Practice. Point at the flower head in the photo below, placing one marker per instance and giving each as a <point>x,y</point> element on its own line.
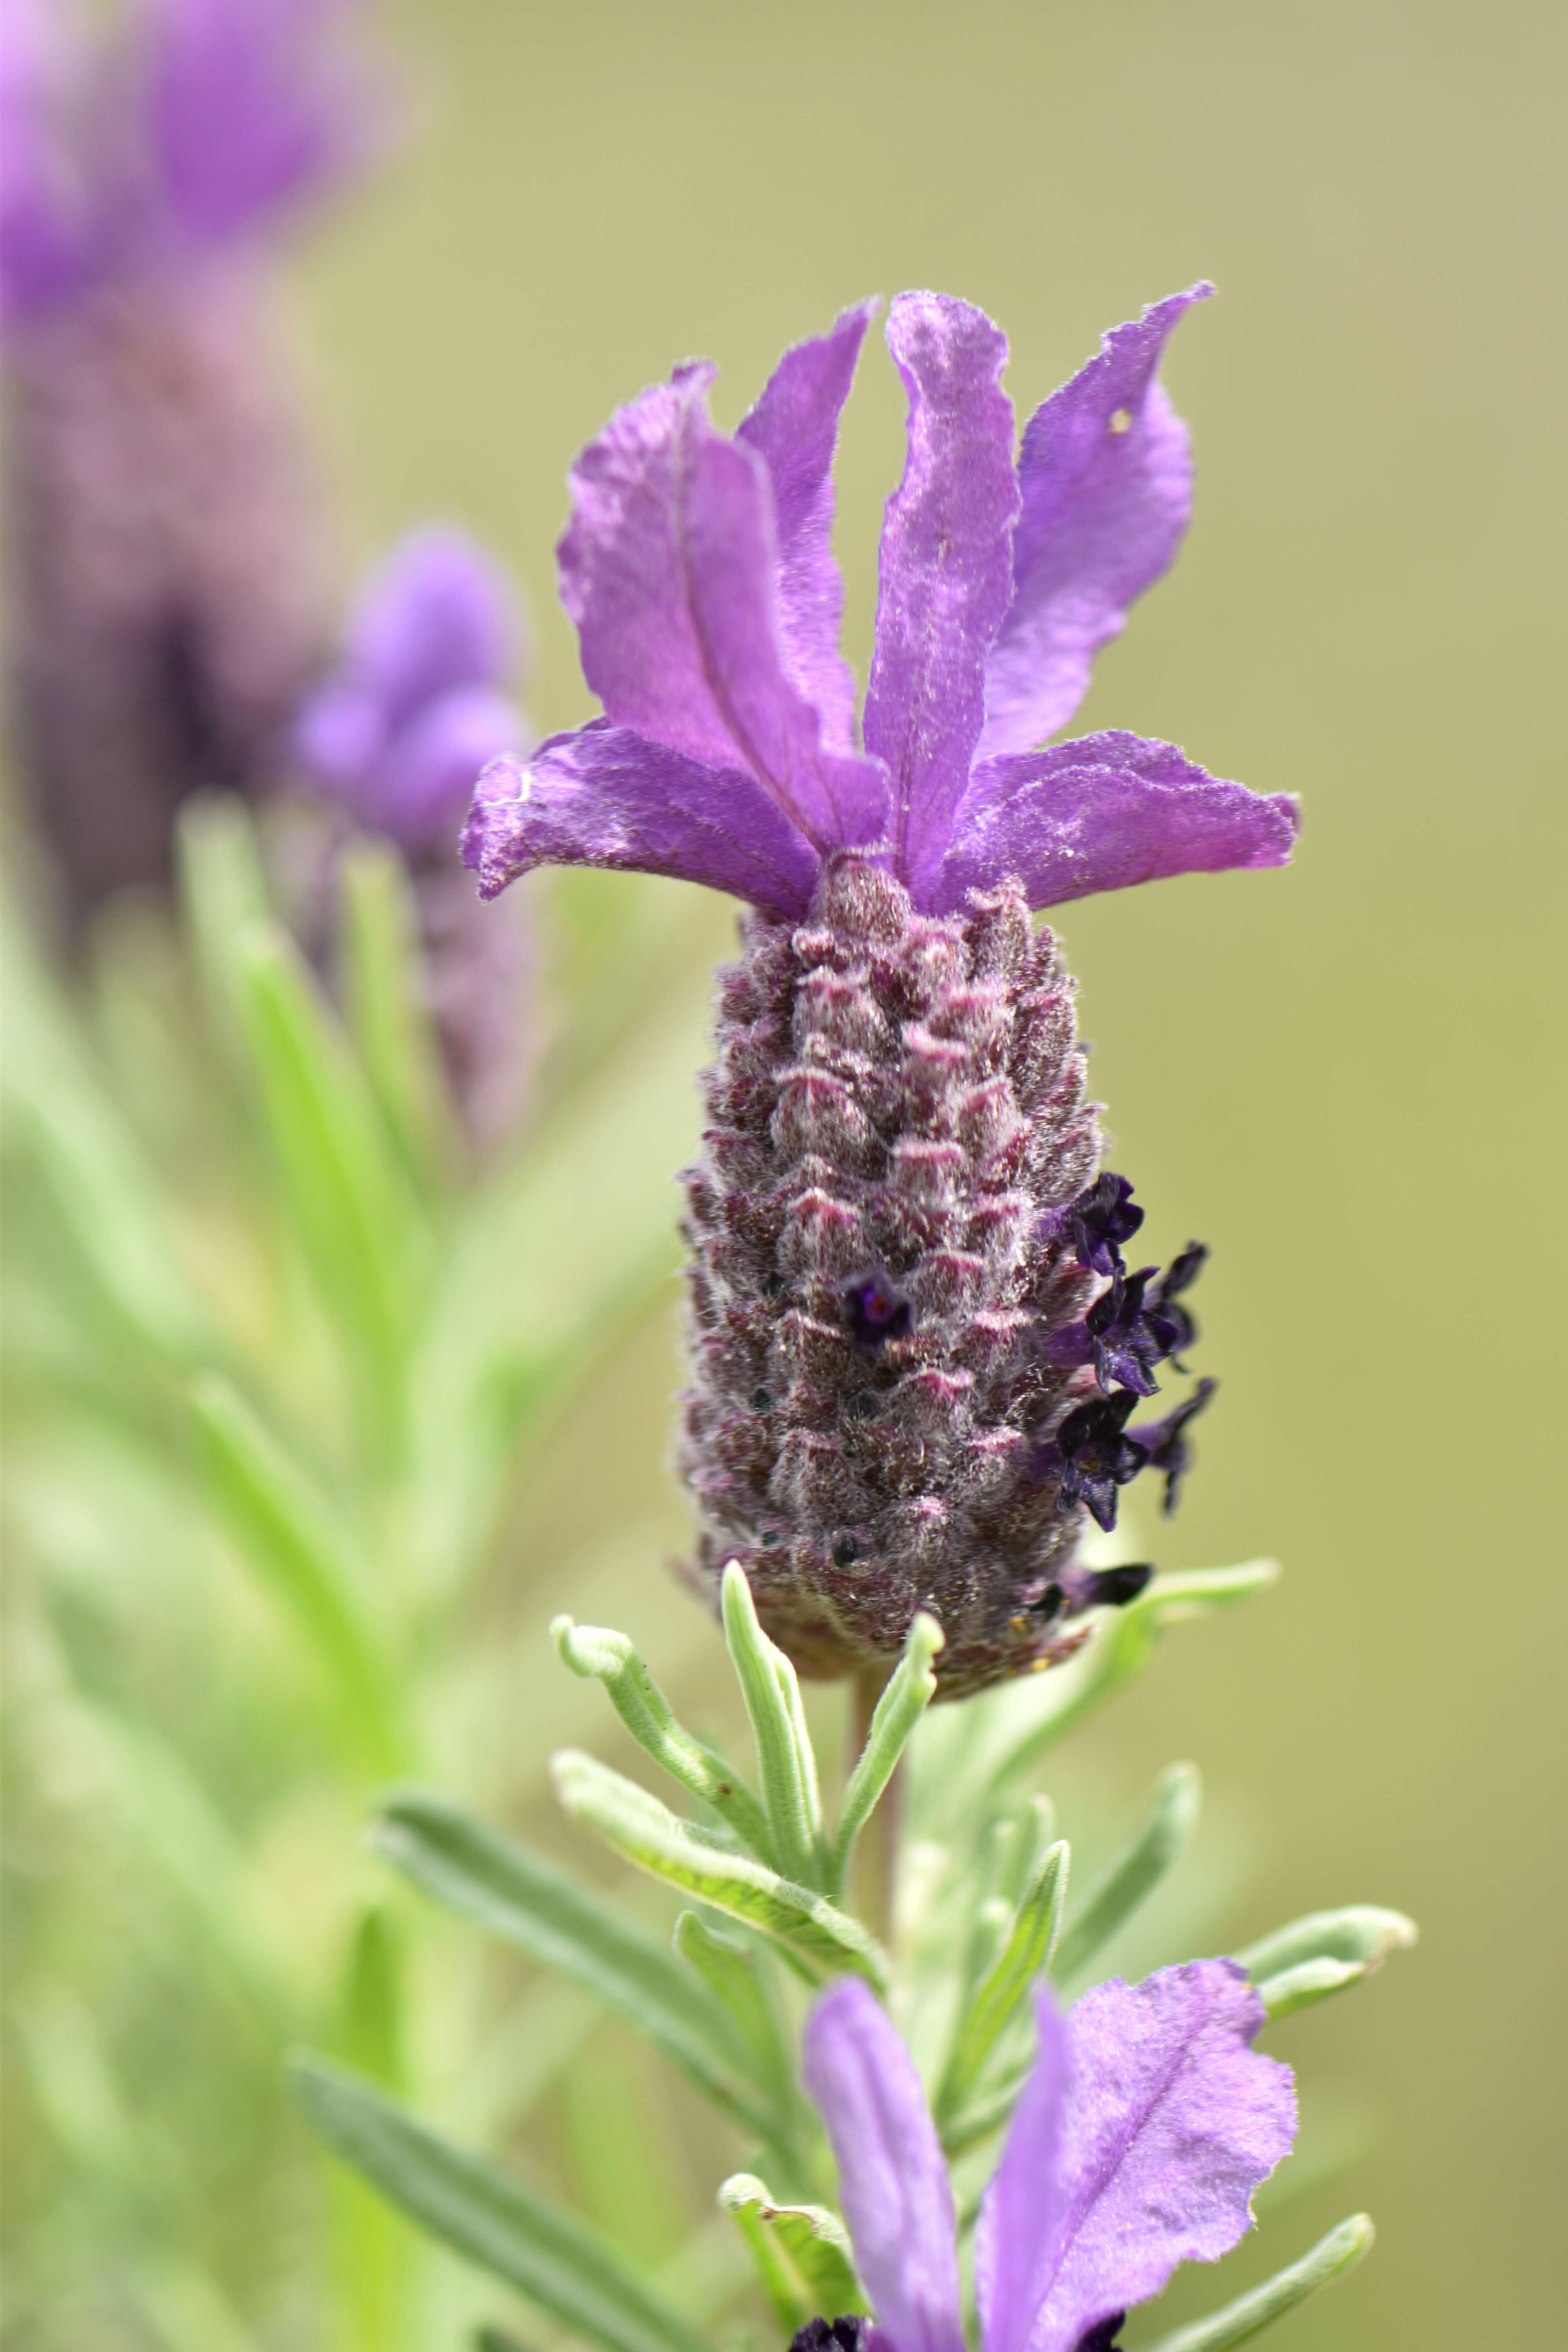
<point>915,1343</point>
<point>418,704</point>
<point>1137,2143</point>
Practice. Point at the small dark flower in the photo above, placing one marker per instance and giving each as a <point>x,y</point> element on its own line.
<point>1123,1341</point>
<point>1097,1455</point>
<point>1164,1442</point>
<point>1107,1588</point>
<point>1172,1325</point>
<point>877,1312</point>
<point>1098,1222</point>
<point>844,2335</point>
<point>1105,2336</point>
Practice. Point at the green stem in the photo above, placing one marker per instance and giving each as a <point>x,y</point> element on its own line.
<point>873,1871</point>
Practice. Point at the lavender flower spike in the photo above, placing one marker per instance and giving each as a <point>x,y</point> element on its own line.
<point>900,1229</point>
<point>1137,2143</point>
<point>394,739</point>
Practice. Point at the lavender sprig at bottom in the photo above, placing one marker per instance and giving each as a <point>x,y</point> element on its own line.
<point>916,1345</point>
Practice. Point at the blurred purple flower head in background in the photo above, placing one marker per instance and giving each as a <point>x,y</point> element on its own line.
<point>1137,2143</point>
<point>909,1386</point>
<point>392,740</point>
<point>417,705</point>
<point>168,578</point>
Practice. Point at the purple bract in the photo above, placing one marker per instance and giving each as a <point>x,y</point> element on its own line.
<point>1137,2143</point>
<point>699,570</point>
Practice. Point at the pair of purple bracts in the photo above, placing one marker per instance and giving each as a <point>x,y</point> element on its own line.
<point>915,1346</point>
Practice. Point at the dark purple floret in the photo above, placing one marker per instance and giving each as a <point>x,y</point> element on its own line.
<point>844,2335</point>
<point>1108,1587</point>
<point>1097,1455</point>
<point>1123,1341</point>
<point>1103,2338</point>
<point>1164,1444</point>
<point>1172,1325</point>
<point>1098,1222</point>
<point>875,1311</point>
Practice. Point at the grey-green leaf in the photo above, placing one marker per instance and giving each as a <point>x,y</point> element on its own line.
<point>732,1972</point>
<point>814,1936</point>
<point>1028,1950</point>
<point>1249,2315</point>
<point>1323,1952</point>
<point>526,1900</point>
<point>1133,1874</point>
<point>595,1653</point>
<point>910,1688</point>
<point>491,2217</point>
<point>786,1763</point>
<point>803,2253</point>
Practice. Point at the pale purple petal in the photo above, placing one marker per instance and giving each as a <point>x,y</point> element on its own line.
<point>945,568</point>
<point>46,231</point>
<point>1171,2123</point>
<point>1101,814</point>
<point>436,614</point>
<point>1106,482</point>
<point>669,570</point>
<point>249,108</point>
<point>794,428</point>
<point>606,797</point>
<point>893,2180</point>
<point>417,790</point>
<point>1015,2240</point>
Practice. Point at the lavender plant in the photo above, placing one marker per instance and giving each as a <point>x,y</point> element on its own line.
<point>916,1349</point>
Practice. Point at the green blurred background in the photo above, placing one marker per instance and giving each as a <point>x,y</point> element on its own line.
<point>1346,1077</point>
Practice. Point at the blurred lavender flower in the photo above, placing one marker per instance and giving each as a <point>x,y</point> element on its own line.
<point>167,582</point>
<point>395,737</point>
<point>897,1225</point>
<point>1137,2143</point>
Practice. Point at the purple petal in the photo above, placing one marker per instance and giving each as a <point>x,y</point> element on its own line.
<point>1016,2242</point>
<point>946,566</point>
<point>1172,2122</point>
<point>892,2181</point>
<point>669,570</point>
<point>47,230</point>
<point>794,428</point>
<point>436,615</point>
<point>246,109</point>
<point>1101,814</point>
<point>418,790</point>
<point>1106,482</point>
<point>606,797</point>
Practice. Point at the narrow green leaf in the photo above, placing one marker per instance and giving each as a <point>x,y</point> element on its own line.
<point>732,1972</point>
<point>285,1534</point>
<point>1133,1874</point>
<point>910,1688</point>
<point>371,2245</point>
<point>224,893</point>
<point>1122,1645</point>
<point>1323,1952</point>
<point>817,1939</point>
<point>491,2217</point>
<point>387,1017</point>
<point>350,1201</point>
<point>784,1759</point>
<point>802,2254</point>
<point>1249,2315</point>
<point>596,1654</point>
<point>1028,1950</point>
<point>518,1895</point>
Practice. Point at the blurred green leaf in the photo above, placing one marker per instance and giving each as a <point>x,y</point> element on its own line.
<point>786,1764</point>
<point>1321,1953</point>
<point>222,889</point>
<point>1249,2315</point>
<point>803,2253</point>
<point>388,1020</point>
<point>596,1654</point>
<point>287,1536</point>
<point>1133,1872</point>
<point>349,1200</point>
<point>733,1973</point>
<point>491,2217</point>
<point>818,1940</point>
<point>990,2009</point>
<point>910,1688</point>
<point>518,1895</point>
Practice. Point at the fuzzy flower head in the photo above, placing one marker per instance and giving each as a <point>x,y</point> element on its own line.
<point>916,1343</point>
<point>1137,2143</point>
<point>418,703</point>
